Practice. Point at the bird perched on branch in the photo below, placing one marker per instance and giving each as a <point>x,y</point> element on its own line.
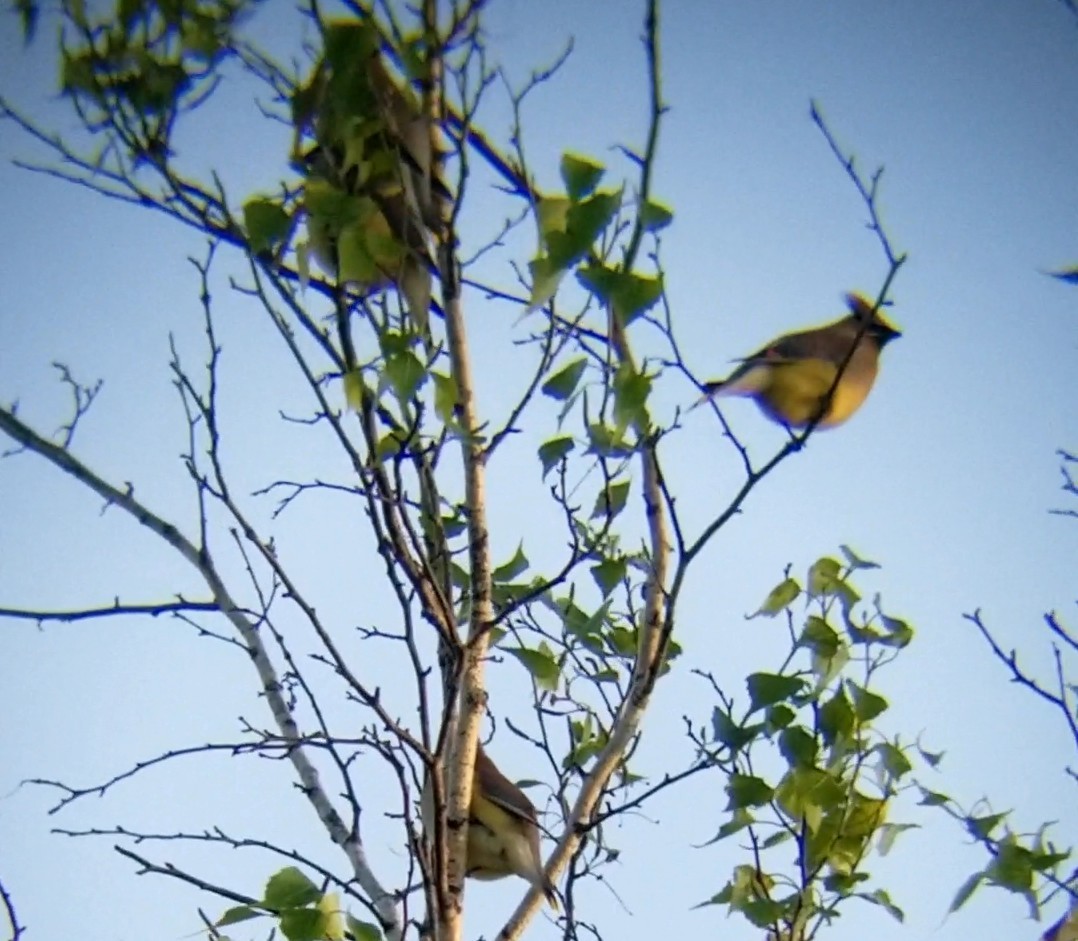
<point>503,830</point>
<point>374,196</point>
<point>793,378</point>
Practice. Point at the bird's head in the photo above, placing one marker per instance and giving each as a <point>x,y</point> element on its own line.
<point>862,310</point>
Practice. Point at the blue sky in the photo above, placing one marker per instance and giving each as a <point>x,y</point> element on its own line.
<point>945,477</point>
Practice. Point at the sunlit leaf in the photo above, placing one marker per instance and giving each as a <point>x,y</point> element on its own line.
<point>290,888</point>
<point>822,575</point>
<point>363,930</point>
<point>881,898</point>
<point>611,499</point>
<point>729,733</point>
<point>266,222</point>
<point>540,664</point>
<point>330,906</point>
<point>779,598</point>
<point>836,718</point>
<point>746,790</point>
<point>609,573</point>
<point>552,212</point>
<point>564,382</point>
<point>552,452</point>
<point>234,916</point>
<point>866,704</point>
<point>405,372</point>
<point>798,746</point>
<point>894,760</point>
<point>631,390</point>
<point>303,924</point>
<point>655,216</point>
<point>889,833</point>
<point>354,389</point>
<point>445,397</point>
<point>740,819</point>
<point>580,174</point>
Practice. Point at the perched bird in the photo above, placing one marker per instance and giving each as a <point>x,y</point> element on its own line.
<point>791,377</point>
<point>374,195</point>
<point>503,831</point>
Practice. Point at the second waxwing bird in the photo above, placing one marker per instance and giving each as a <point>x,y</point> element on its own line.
<point>503,829</point>
<point>791,377</point>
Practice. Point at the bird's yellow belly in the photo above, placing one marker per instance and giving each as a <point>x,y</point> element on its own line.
<point>797,391</point>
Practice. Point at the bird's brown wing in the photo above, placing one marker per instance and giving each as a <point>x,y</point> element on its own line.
<point>831,343</point>
<point>501,791</point>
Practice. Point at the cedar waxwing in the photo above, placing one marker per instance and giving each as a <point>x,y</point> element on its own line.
<point>374,192</point>
<point>791,376</point>
<point>503,832</point>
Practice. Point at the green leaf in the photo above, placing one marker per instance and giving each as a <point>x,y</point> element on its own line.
<point>611,499</point>
<point>899,633</point>
<point>631,390</point>
<point>932,759</point>
<point>740,819</point>
<point>289,888</point>
<point>854,561</point>
<point>982,827</point>
<point>1012,868</point>
<point>554,451</point>
<point>445,397</point>
<point>627,293</point>
<point>822,575</point>
<point>819,637</point>
<point>889,833</point>
<point>780,598</point>
<point>894,761</point>
<point>746,790</point>
<point>564,382</point>
<point>768,688</point>
<point>303,924</point>
<point>581,175</point>
<point>727,732</point>
<point>540,664</point>
<point>235,915</point>
<point>779,717</point>
<point>585,222</point>
<point>968,888</point>
<point>405,372</point>
<point>606,442</point>
<point>835,718</point>
<point>655,216</point>
<point>552,212</point>
<point>609,573</point>
<point>546,275</point>
<point>762,912</point>
<point>881,898</point>
<point>933,798</point>
<point>866,704</point>
<point>777,839</point>
<point>806,793</point>
<point>267,224</point>
<point>355,390</point>
<point>362,930</point>
<point>511,569</point>
<point>798,746</point>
